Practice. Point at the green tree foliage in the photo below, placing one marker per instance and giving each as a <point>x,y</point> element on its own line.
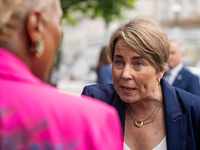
<point>109,10</point>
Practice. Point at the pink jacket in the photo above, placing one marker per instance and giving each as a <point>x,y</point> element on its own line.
<point>36,116</point>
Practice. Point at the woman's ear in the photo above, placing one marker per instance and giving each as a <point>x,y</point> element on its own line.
<point>160,74</point>
<point>34,26</point>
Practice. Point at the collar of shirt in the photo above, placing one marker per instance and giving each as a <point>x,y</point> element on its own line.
<point>174,72</point>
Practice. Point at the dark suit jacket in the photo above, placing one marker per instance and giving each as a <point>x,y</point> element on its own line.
<point>182,113</point>
<point>187,81</point>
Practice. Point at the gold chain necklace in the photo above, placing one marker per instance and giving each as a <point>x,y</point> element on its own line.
<point>140,122</point>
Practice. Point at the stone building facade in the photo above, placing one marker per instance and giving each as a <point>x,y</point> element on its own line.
<point>82,43</point>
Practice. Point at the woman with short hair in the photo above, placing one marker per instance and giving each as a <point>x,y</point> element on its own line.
<point>154,115</point>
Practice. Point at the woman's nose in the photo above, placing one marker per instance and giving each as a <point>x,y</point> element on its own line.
<point>127,72</point>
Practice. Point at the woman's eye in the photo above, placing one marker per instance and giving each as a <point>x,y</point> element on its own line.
<point>138,63</point>
<point>118,62</point>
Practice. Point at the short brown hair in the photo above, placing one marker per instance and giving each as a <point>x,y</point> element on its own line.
<point>146,37</point>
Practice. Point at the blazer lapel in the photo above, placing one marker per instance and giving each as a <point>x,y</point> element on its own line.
<point>175,120</point>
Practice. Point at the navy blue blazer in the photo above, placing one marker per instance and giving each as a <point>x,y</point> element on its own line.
<point>182,113</point>
<point>187,81</point>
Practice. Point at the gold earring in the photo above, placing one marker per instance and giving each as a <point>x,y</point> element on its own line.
<point>158,82</point>
<point>39,47</point>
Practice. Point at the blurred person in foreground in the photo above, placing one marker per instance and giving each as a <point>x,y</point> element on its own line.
<point>35,115</point>
<point>103,69</point>
<point>177,75</point>
<point>154,115</point>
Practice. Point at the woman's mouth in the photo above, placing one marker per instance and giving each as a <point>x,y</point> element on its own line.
<point>127,89</point>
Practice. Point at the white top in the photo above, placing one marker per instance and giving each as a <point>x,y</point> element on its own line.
<point>173,73</point>
<point>161,146</point>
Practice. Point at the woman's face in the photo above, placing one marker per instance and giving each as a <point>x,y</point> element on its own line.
<point>134,77</point>
<point>52,36</point>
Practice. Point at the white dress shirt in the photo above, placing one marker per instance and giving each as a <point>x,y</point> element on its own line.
<point>161,146</point>
<point>172,74</point>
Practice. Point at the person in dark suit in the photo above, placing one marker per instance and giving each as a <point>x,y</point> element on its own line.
<point>178,75</point>
<point>154,114</point>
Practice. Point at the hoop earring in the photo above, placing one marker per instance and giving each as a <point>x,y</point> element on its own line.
<point>158,82</point>
<point>39,47</point>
